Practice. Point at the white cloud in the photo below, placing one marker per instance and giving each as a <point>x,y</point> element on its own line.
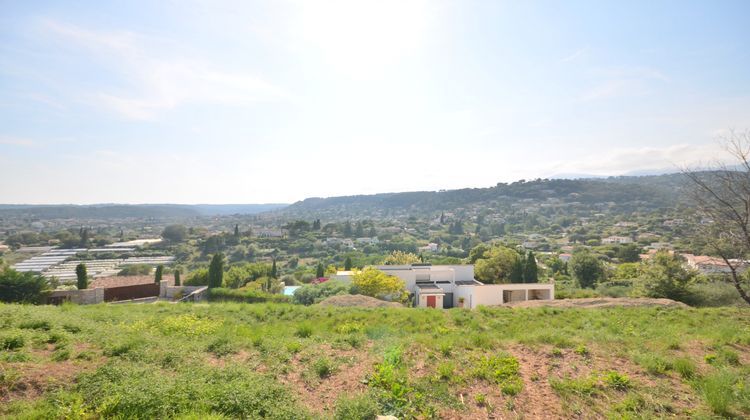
<point>157,80</point>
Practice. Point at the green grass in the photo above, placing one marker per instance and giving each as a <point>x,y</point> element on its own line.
<point>238,360</point>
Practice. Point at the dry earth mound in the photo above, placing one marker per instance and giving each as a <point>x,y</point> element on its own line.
<point>358,300</point>
<point>598,303</point>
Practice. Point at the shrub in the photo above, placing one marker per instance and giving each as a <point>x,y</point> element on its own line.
<point>221,347</point>
<point>314,293</point>
<point>502,370</point>
<point>25,287</point>
<point>36,324</point>
<point>244,295</point>
<point>360,407</point>
<point>445,371</point>
<point>12,342</point>
<point>323,367</point>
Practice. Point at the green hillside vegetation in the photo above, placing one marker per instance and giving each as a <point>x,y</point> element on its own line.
<point>232,360</point>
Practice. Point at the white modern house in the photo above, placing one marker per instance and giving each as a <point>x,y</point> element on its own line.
<point>454,286</point>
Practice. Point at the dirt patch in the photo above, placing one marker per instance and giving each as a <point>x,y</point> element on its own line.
<point>30,380</point>
<point>358,300</point>
<point>320,394</point>
<point>537,400</point>
<point>598,303</point>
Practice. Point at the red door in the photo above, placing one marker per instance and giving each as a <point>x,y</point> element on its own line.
<point>431,301</point>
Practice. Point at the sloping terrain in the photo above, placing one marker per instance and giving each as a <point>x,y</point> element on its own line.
<point>283,361</point>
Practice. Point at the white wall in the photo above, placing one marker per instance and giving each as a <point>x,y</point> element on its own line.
<point>492,294</point>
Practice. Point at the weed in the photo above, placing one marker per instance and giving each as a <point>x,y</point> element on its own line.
<point>582,350</point>
<point>323,367</point>
<point>717,390</point>
<point>12,342</point>
<point>480,399</point>
<point>685,367</point>
<point>360,407</point>
<point>61,354</point>
<point>585,386</point>
<point>293,347</point>
<point>616,380</point>
<point>710,358</point>
<point>303,331</point>
<point>445,371</point>
<point>221,347</point>
<point>36,325</point>
<point>556,352</point>
<point>502,370</point>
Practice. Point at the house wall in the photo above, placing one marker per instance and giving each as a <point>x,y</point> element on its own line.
<point>494,294</point>
<point>422,301</point>
<point>81,297</point>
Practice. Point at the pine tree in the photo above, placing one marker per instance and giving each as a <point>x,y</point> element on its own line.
<point>320,272</point>
<point>348,263</point>
<point>159,273</point>
<point>216,271</point>
<point>177,277</point>
<point>82,276</point>
<point>530,270</point>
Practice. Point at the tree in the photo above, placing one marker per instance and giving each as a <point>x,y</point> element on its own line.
<point>497,265</point>
<point>348,263</point>
<point>586,269</point>
<point>401,258</point>
<point>478,252</point>
<point>530,270</point>
<point>85,237</point>
<point>721,197</point>
<point>25,287</point>
<point>628,253</point>
<point>320,271</point>
<point>159,273</point>
<point>82,276</point>
<point>348,231</point>
<point>177,277</point>
<point>664,276</point>
<point>274,272</point>
<point>314,293</point>
<point>516,271</point>
<point>375,283</point>
<point>175,233</point>
<point>216,270</point>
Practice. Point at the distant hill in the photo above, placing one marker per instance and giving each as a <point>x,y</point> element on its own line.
<point>651,191</point>
<point>118,211</point>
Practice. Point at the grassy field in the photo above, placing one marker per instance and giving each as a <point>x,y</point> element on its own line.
<point>233,360</point>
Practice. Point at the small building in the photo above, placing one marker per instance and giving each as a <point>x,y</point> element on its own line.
<point>449,286</point>
<point>619,240</point>
<point>431,247</point>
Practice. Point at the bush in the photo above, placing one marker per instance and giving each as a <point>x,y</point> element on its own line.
<point>12,342</point>
<point>617,380</point>
<point>135,270</point>
<point>314,293</point>
<point>360,407</point>
<point>323,367</point>
<point>244,295</point>
<point>25,287</point>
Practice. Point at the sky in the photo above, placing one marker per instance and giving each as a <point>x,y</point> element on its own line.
<point>209,101</point>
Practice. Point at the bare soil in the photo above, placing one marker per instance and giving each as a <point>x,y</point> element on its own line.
<point>598,303</point>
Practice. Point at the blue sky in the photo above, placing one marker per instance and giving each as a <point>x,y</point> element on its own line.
<point>274,101</point>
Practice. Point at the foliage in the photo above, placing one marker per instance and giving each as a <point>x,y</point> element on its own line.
<point>175,233</point>
<point>216,270</point>
<point>159,273</point>
<point>663,276</point>
<point>135,270</point>
<point>628,253</point>
<point>177,277</point>
<point>198,277</point>
<point>401,258</point>
<point>497,265</point>
<point>313,293</point>
<point>359,407</point>
<point>82,277</point>
<point>586,268</point>
<point>239,275</point>
<point>375,283</point>
<point>244,295</point>
<point>530,269</point>
<point>22,287</point>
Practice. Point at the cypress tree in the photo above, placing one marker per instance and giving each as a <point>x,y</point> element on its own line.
<point>274,273</point>
<point>82,276</point>
<point>530,270</point>
<point>516,272</point>
<point>236,231</point>
<point>216,271</point>
<point>320,272</point>
<point>177,277</point>
<point>348,263</point>
<point>159,273</point>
